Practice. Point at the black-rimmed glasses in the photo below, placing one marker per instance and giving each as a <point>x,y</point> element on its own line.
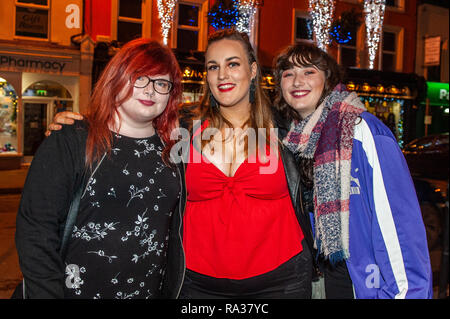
<point>159,85</point>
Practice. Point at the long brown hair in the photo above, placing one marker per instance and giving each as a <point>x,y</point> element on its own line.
<point>260,113</point>
<point>304,55</point>
<point>136,58</point>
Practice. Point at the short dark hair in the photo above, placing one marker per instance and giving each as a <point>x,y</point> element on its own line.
<point>304,55</point>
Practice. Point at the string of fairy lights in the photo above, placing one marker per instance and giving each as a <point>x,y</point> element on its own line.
<point>247,10</point>
<point>321,12</point>
<point>374,12</point>
<point>240,15</point>
<point>166,10</point>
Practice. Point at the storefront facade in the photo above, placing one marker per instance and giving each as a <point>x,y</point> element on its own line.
<point>433,111</point>
<point>35,83</point>
<point>45,67</point>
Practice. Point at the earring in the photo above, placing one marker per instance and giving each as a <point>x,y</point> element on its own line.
<point>252,92</point>
<point>213,102</point>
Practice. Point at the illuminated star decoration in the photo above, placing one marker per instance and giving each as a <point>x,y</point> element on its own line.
<point>166,9</point>
<point>374,11</point>
<point>247,10</point>
<point>321,12</point>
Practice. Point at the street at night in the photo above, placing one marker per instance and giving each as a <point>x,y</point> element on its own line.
<point>224,149</point>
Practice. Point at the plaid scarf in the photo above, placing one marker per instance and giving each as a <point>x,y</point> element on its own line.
<point>327,137</point>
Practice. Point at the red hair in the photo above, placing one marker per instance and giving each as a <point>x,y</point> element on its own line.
<point>136,58</point>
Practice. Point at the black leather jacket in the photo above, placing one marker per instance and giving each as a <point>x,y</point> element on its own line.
<point>176,264</point>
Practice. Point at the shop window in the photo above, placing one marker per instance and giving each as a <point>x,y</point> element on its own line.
<point>398,5</point>
<point>130,20</point>
<point>389,110</point>
<point>190,25</point>
<point>41,101</point>
<point>303,28</point>
<point>32,18</point>
<point>8,117</point>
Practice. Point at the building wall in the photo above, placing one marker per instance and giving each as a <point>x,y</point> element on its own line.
<point>58,32</point>
<point>276,27</point>
<point>98,18</point>
<point>432,21</point>
<point>27,60</point>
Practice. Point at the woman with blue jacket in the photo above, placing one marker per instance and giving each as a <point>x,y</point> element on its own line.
<point>368,229</point>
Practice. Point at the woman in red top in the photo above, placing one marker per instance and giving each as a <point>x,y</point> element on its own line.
<point>244,233</point>
<point>241,235</point>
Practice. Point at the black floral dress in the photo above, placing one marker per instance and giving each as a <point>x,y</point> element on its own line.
<point>118,246</point>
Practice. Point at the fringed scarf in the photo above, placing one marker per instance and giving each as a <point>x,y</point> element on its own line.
<point>327,137</point>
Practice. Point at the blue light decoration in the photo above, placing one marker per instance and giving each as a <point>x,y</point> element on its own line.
<point>345,28</point>
<point>310,26</point>
<point>339,35</point>
<point>192,21</point>
<point>401,142</point>
<point>223,16</point>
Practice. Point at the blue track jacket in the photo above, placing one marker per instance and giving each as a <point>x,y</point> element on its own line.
<point>388,247</point>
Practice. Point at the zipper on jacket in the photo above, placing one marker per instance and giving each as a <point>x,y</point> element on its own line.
<point>179,228</point>
<point>317,271</point>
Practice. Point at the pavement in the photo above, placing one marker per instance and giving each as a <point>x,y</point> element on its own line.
<point>10,274</point>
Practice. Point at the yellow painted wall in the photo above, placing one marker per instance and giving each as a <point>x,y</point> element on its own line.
<point>7,19</point>
<point>59,33</point>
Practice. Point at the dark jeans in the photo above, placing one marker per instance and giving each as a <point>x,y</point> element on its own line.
<point>291,280</point>
<point>338,284</point>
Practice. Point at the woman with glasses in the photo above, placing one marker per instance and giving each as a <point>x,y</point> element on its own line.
<point>244,234</point>
<point>131,189</point>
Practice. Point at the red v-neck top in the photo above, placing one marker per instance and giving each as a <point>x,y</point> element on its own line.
<point>241,226</point>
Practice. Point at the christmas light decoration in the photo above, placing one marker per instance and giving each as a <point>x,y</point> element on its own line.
<point>247,10</point>
<point>344,28</point>
<point>224,15</point>
<point>321,12</point>
<point>374,11</point>
<point>341,37</point>
<point>166,9</point>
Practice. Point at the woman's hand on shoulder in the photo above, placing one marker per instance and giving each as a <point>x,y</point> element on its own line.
<point>65,117</point>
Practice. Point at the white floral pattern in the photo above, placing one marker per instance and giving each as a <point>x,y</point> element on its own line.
<point>93,231</point>
<point>121,234</point>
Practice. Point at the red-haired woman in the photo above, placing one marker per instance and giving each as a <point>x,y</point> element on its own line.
<point>118,245</point>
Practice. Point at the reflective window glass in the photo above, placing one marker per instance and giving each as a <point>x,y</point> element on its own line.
<point>31,22</point>
<point>130,8</point>
<point>127,31</point>
<point>40,2</point>
<point>303,28</point>
<point>188,15</point>
<point>187,40</point>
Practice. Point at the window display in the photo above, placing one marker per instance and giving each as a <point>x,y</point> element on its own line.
<point>8,118</point>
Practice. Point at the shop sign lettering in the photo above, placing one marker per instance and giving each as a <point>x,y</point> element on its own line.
<point>10,61</point>
<point>31,23</point>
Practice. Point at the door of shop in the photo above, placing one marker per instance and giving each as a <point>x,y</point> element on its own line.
<point>35,124</point>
